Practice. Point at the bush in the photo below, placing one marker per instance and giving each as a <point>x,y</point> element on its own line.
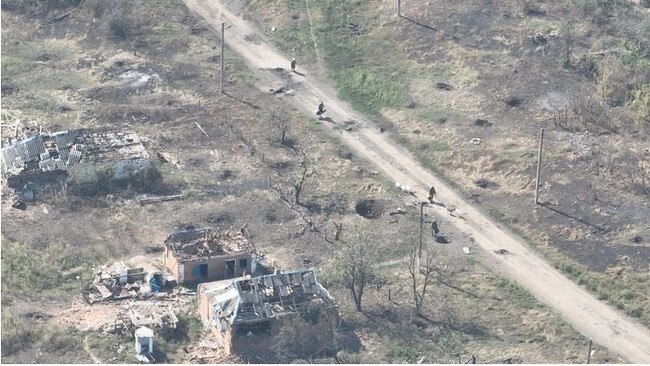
<point>17,334</point>
<point>639,103</point>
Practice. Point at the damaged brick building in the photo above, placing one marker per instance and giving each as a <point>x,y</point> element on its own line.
<point>199,255</point>
<point>272,317</point>
<point>96,159</point>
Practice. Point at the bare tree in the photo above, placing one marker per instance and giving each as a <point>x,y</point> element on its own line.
<point>422,275</point>
<point>305,171</point>
<point>281,126</point>
<point>356,267</point>
<point>568,37</point>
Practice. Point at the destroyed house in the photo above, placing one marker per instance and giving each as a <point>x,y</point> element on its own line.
<point>238,309</point>
<point>57,152</point>
<point>199,255</point>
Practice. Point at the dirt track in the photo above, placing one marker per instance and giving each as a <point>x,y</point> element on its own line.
<point>576,305</point>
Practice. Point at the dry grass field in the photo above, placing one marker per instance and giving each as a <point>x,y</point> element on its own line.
<point>153,68</point>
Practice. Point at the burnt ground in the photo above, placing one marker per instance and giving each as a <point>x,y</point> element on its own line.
<point>433,73</point>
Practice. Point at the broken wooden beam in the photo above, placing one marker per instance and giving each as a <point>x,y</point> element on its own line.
<point>146,200</point>
<point>202,130</point>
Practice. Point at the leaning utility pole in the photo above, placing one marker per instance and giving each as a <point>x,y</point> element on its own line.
<point>223,42</point>
<point>589,352</point>
<point>421,231</point>
<point>539,166</point>
<point>399,6</point>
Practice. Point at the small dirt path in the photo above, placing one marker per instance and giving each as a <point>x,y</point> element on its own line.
<point>576,305</point>
<point>90,352</point>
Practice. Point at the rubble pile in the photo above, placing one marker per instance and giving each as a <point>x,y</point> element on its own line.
<point>119,282</point>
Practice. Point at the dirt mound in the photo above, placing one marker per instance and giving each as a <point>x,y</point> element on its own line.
<point>370,208</point>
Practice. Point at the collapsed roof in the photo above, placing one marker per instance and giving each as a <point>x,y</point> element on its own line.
<point>61,150</point>
<point>248,300</point>
<point>191,243</point>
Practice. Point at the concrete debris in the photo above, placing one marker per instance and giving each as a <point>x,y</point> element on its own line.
<point>119,282</point>
<point>152,314</point>
<point>466,250</point>
<point>399,211</point>
<point>405,188</point>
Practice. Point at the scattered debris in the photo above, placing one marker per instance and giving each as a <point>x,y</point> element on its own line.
<point>475,140</point>
<point>202,130</point>
<point>539,38</point>
<point>152,314</point>
<point>482,122</point>
<point>168,158</point>
<point>349,125</point>
<point>484,183</point>
<point>466,250</point>
<point>145,200</point>
<point>119,282</point>
<point>399,211</point>
<point>20,205</point>
<point>405,188</point>
<point>444,86</point>
<point>455,212</point>
<point>136,79</point>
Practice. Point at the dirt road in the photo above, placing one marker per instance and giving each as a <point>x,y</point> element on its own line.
<point>576,305</point>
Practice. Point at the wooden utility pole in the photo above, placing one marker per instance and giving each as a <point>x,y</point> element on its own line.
<point>223,42</point>
<point>421,232</point>
<point>539,166</point>
<point>399,8</point>
<point>589,352</point>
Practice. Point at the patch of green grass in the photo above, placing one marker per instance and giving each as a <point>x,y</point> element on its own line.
<point>370,90</point>
<point>542,26</point>
<point>520,294</point>
<point>171,342</point>
<point>163,30</point>
<point>639,103</point>
<point>21,333</point>
<point>14,65</point>
<point>403,354</point>
<point>629,297</point>
<point>28,272</point>
<point>112,348</point>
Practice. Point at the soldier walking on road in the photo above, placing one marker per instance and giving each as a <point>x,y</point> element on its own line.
<point>434,228</point>
<point>432,194</point>
<point>321,110</point>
